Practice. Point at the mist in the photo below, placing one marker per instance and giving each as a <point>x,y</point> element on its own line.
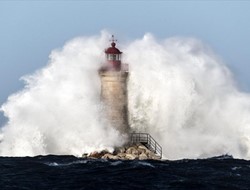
<point>59,110</point>
<point>179,91</point>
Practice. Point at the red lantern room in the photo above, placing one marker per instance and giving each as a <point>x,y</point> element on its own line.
<point>113,56</point>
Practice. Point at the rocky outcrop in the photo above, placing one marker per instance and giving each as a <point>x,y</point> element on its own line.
<point>132,152</point>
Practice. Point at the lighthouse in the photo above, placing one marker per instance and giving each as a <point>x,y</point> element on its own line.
<point>114,74</point>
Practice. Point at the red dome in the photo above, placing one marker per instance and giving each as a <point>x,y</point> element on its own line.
<point>113,49</point>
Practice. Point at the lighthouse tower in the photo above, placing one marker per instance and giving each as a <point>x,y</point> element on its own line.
<point>114,76</point>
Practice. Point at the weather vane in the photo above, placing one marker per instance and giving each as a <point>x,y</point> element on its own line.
<point>113,39</point>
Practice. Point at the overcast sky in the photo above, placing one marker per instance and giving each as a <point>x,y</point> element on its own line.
<point>31,29</point>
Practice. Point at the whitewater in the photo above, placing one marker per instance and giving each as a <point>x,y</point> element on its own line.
<point>179,91</point>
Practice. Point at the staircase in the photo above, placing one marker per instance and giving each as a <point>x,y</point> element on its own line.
<point>147,140</point>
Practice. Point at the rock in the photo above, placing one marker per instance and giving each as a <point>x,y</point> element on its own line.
<point>94,154</point>
<point>130,156</point>
<point>142,147</point>
<point>152,156</point>
<point>110,156</point>
<point>121,155</point>
<point>119,150</point>
<point>135,152</point>
<point>156,157</point>
<point>141,150</point>
<point>97,155</point>
<point>130,150</point>
<point>143,156</point>
<point>149,153</point>
<point>85,155</point>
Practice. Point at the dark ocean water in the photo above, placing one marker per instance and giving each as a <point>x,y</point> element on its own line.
<point>68,172</point>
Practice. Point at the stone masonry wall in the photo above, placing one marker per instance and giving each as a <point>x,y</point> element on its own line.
<point>114,96</point>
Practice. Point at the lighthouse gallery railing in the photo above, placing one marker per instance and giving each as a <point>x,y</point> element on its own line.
<point>148,141</point>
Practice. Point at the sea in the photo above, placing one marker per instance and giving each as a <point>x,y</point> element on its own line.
<point>69,172</point>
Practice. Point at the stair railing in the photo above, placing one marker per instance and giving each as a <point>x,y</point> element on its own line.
<point>148,141</point>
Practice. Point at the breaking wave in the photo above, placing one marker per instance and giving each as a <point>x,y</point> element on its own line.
<point>179,91</point>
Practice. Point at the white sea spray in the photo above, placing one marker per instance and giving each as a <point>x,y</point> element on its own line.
<point>179,91</point>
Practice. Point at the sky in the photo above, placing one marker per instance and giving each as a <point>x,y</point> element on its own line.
<point>30,30</point>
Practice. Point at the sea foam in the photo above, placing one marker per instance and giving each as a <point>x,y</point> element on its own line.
<point>179,91</point>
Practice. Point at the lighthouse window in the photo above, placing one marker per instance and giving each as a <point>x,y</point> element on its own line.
<point>113,57</point>
<point>110,57</point>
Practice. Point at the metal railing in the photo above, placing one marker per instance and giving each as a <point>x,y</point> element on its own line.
<point>147,140</point>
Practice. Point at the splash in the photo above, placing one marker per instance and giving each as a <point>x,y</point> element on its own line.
<point>183,95</point>
<point>59,110</point>
<point>179,91</point>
